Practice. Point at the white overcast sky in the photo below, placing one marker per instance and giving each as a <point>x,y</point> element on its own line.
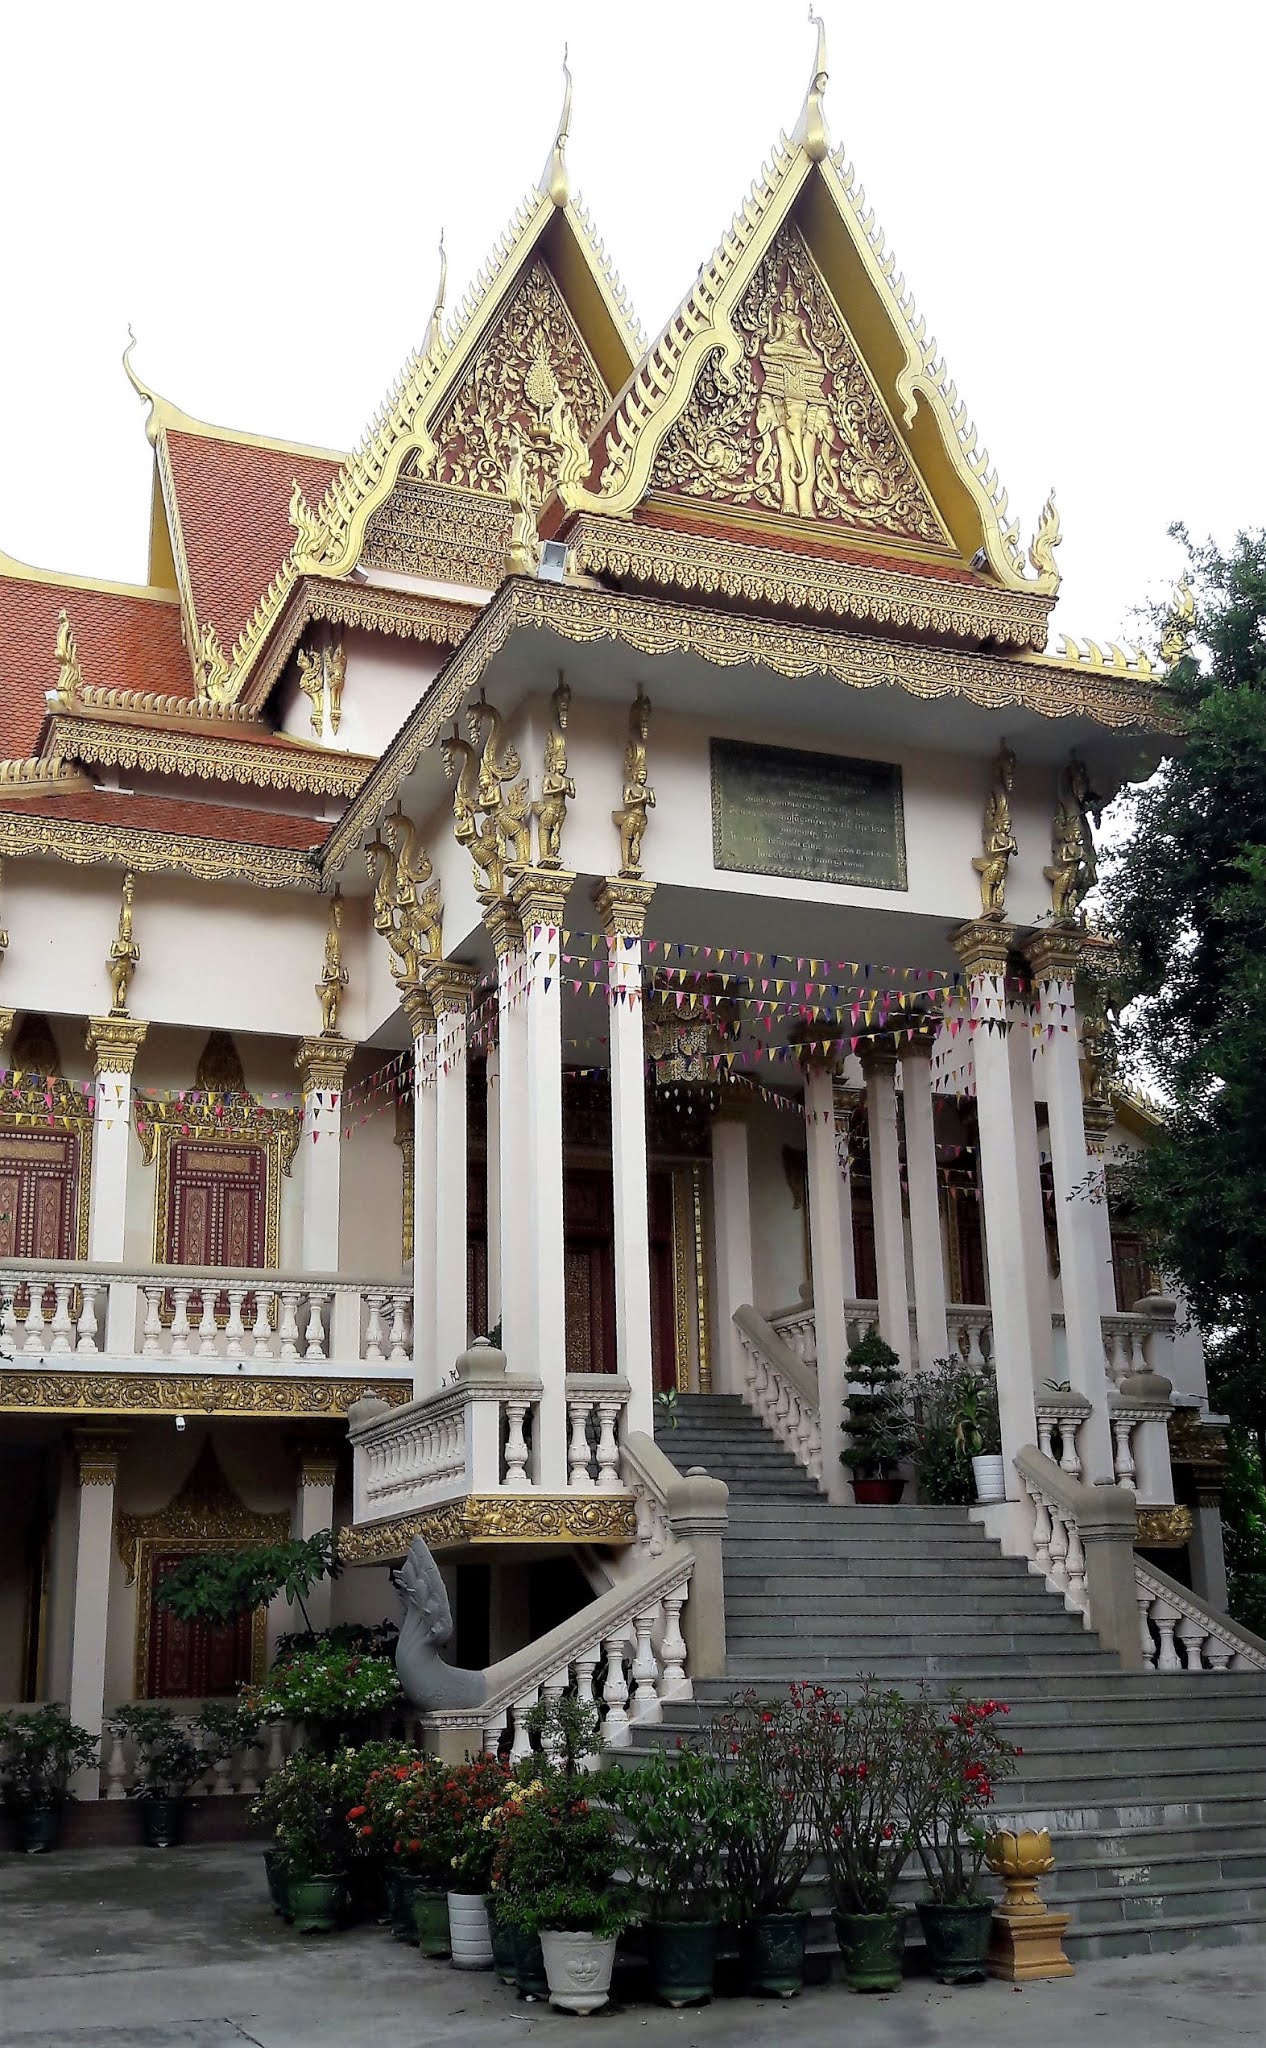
<point>1074,192</point>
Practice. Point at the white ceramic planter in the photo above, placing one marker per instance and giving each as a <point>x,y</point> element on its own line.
<point>578,1967</point>
<point>990,1476</point>
<point>468,1931</point>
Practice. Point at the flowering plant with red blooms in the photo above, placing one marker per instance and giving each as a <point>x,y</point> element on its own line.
<point>961,1757</point>
<point>465,1796</point>
<point>859,1755</point>
<point>397,1810</point>
<point>768,1822</point>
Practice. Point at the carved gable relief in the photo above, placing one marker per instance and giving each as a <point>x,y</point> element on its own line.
<point>799,429</point>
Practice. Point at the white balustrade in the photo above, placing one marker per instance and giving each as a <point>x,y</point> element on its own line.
<point>240,1771</point>
<point>1124,1340</point>
<point>1062,1417</point>
<point>1056,1550</point>
<point>1178,1633</point>
<point>779,1391</point>
<point>596,1407</point>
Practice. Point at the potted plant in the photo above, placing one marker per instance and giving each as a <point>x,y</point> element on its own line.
<point>303,1806</point>
<point>677,1807</point>
<point>859,1757</point>
<point>336,1693</point>
<point>553,1878</point>
<point>768,1836</point>
<point>227,1729</point>
<point>371,1845</point>
<point>468,1794</point>
<point>962,1756</point>
<point>881,1432</point>
<point>168,1762</point>
<point>980,1433</point>
<point>42,1750</point>
<point>941,1462</point>
<point>405,1806</point>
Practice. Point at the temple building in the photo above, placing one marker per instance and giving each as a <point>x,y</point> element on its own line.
<point>568,913</point>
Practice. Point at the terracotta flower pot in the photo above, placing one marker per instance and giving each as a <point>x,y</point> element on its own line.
<point>578,1969</point>
<point>878,1493</point>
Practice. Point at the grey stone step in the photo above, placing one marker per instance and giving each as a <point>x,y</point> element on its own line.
<point>852,1600</point>
<point>926,1630</point>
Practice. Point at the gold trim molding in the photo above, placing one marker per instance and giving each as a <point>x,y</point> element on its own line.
<point>97,1456</point>
<point>143,1393</point>
<point>210,757</point>
<point>154,853</point>
<point>495,1518</point>
<point>409,615</point>
<point>1164,1528</point>
<point>114,1043</point>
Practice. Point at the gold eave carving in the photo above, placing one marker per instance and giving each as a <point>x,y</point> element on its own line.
<point>142,1393</point>
<point>209,757</point>
<point>484,1518</point>
<point>843,589</point>
<point>155,853</point>
<point>407,615</point>
<point>652,626</point>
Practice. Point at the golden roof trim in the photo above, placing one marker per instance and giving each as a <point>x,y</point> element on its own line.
<point>14,571</point>
<point>155,853</point>
<point>777,576</point>
<point>142,1393</point>
<point>441,622</point>
<point>38,775</point>
<point>209,756</point>
<point>657,626</point>
<point>164,415</point>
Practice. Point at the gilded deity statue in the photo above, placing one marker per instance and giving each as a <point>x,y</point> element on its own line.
<point>335,677</point>
<point>1073,871</point>
<point>997,839</point>
<point>793,417</point>
<point>124,955</point>
<point>478,835</point>
<point>556,784</point>
<point>333,973</point>
<point>638,796</point>
<point>310,664</point>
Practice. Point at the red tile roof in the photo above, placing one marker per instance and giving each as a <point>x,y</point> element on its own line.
<point>124,642</point>
<point>230,822</point>
<point>232,498</point>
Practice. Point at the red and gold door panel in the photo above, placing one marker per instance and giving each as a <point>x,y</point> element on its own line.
<point>39,1194</point>
<point>217,1198</point>
<point>188,1660</point>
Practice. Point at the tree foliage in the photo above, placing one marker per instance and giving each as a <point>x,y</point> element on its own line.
<point>220,1585</point>
<point>1185,894</point>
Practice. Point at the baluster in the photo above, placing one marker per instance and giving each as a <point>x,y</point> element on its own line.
<point>373,1328</point>
<point>585,1664</point>
<point>674,1683</point>
<point>608,1448</point>
<point>261,1334</point>
<point>516,1451</point>
<point>315,1332</point>
<point>33,1343</point>
<point>578,1476</point>
<point>1059,1549</point>
<point>152,1327</point>
<point>220,1787</point>
<point>1078,1593</point>
<point>1191,1635</point>
<point>1218,1653</point>
<point>1165,1616</point>
<point>492,1737</point>
<point>247,1781</point>
<point>615,1692</point>
<point>9,1324</point>
<point>88,1316</point>
<point>521,1744</point>
<point>233,1330</point>
<point>116,1768</point>
<point>206,1325</point>
<point>289,1331</point>
<point>180,1321</point>
<point>552,1690</point>
<point>1046,1435</point>
<point>1041,1535</point>
<point>60,1327</point>
<point>1123,1461</point>
<point>398,1354</point>
<point>1069,1455</point>
<point>975,1352</point>
<point>1144,1598</point>
<point>646,1706</point>
<point>274,1752</point>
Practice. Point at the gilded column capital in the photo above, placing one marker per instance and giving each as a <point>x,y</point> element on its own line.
<point>504,925</point>
<point>450,985</point>
<point>316,1460</point>
<point>114,1043</point>
<point>323,1062</point>
<point>622,904</point>
<point>984,945</point>
<point>876,1058</point>
<point>540,895</point>
<point>97,1455</point>
<point>8,1019</point>
<point>418,1008</point>
<point>1059,952</point>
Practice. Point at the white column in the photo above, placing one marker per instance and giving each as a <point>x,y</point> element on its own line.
<point>1029,1167</point>
<point>426,1373</point>
<point>322,1065</point>
<point>449,986</point>
<point>879,1065</point>
<point>1078,1180</point>
<point>826,1187</point>
<point>983,949</point>
<point>925,1204</point>
<point>114,1043</point>
<point>313,1511</point>
<point>514,1253</point>
<point>1097,1119</point>
<point>848,1244</point>
<point>492,1185</point>
<point>732,1222</point>
<point>98,1470</point>
<point>539,896</point>
<point>622,906</point>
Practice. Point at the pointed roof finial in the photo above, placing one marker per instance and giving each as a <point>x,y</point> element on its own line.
<point>811,129</point>
<point>554,180</point>
<point>434,343</point>
<point>142,391</point>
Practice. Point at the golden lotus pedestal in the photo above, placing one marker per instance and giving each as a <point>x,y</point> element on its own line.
<point>1026,1939</point>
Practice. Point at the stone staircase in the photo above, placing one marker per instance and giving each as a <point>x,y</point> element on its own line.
<point>1152,1784</point>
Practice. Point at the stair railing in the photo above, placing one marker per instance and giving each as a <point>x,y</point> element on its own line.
<point>782,1390</point>
<point>1081,1541</point>
<point>1173,1619</point>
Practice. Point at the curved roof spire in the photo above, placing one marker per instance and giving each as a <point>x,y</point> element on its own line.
<point>434,342</point>
<point>811,130</point>
<point>554,181</point>
<point>143,392</point>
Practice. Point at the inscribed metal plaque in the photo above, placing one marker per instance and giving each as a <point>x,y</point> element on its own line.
<point>817,817</point>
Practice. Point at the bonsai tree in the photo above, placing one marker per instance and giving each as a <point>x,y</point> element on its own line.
<point>168,1760</point>
<point>221,1585</point>
<point>879,1426</point>
<point>42,1751</point>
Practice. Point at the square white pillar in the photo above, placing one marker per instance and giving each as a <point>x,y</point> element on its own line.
<point>622,905</point>
<point>322,1064</point>
<point>317,1469</point>
<point>492,1186</point>
<point>114,1043</point>
<point>732,1225</point>
<point>513,1250</point>
<point>539,897</point>
<point>925,1202</point>
<point>449,986</point>
<point>97,1456</point>
<point>826,1192</point>
<point>879,1066</point>
<point>1020,1043</point>
<point>426,1374</point>
<point>983,948</point>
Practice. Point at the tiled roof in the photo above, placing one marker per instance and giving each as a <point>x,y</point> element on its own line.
<point>231,822</point>
<point>232,500</point>
<point>124,642</point>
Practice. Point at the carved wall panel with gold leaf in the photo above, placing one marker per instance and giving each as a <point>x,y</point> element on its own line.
<point>798,429</point>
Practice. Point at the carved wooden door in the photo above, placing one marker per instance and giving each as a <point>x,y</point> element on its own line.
<point>39,1194</point>
<point>589,1269</point>
<point>216,1205</point>
<point>192,1659</point>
